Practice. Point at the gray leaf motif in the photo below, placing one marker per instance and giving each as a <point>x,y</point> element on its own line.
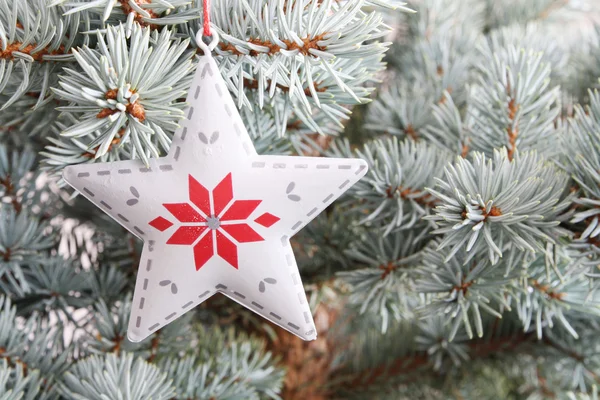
<point>214,137</point>
<point>202,137</point>
<point>290,188</point>
<point>261,284</point>
<point>168,282</point>
<point>136,194</point>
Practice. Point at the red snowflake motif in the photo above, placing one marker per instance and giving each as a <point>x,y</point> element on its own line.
<point>213,222</point>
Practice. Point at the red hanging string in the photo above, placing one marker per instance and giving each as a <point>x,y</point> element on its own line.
<point>206,24</point>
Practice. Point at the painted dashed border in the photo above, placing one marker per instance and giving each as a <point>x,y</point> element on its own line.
<point>221,288</point>
<point>123,171</point>
<point>289,256</point>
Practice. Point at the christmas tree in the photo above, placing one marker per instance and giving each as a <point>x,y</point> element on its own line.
<point>463,265</point>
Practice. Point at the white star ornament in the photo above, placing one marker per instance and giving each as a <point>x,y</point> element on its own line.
<point>214,215</point>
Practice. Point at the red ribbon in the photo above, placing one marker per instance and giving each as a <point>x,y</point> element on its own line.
<point>206,23</point>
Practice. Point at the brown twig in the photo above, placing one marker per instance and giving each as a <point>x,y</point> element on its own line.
<point>307,45</point>
<point>127,9</point>
<point>154,347</point>
<point>253,84</point>
<point>494,212</point>
<point>547,290</point>
<point>134,109</point>
<point>411,194</point>
<point>409,364</point>
<point>411,132</point>
<point>513,132</point>
<point>14,361</point>
<point>12,48</point>
<point>10,192</point>
<point>116,140</point>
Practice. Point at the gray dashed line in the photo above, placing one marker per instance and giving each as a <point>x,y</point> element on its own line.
<point>170,315</point>
<point>124,171</point>
<point>149,265</point>
<point>301,166</point>
<point>105,204</point>
<point>295,279</point>
<point>306,317</point>
<point>83,174</point>
<point>296,225</point>
<point>105,172</point>
<point>138,322</point>
<point>145,283</point>
<point>326,199</point>
<point>293,326</point>
<point>227,110</point>
<point>288,258</point>
<point>322,166</point>
<point>153,327</point>
<point>88,191</point>
<point>144,169</point>
<point>309,333</point>
<point>246,147</point>
<point>184,133</point>
<point>257,305</point>
<point>346,166</point>
<point>301,296</point>
<point>257,164</point>
<point>347,181</point>
<point>197,92</point>
<point>219,92</point>
<point>138,230</point>
<point>284,241</point>
<point>166,167</point>
<point>206,69</point>
<point>360,169</point>
<point>122,217</point>
<point>275,315</point>
<point>220,286</point>
<point>151,245</point>
<point>190,113</point>
<point>279,165</point>
<point>311,212</point>
<point>204,294</point>
<point>239,295</point>
<point>177,150</point>
<point>142,300</point>
<point>236,128</point>
<point>186,305</point>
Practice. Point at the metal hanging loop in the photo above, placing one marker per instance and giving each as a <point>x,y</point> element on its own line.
<point>207,48</point>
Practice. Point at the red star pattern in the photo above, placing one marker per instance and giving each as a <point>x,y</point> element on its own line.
<point>212,222</point>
